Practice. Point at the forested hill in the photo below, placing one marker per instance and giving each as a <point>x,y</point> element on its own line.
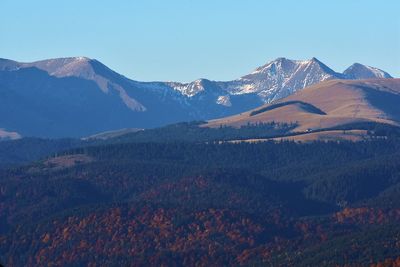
<point>25,150</point>
<point>184,203</point>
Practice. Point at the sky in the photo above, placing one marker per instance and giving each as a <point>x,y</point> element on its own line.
<point>182,40</point>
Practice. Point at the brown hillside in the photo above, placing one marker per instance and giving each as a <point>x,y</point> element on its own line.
<point>329,104</point>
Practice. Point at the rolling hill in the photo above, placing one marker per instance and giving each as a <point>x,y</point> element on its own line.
<point>188,204</point>
<point>328,105</point>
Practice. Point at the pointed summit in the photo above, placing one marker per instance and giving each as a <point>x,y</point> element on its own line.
<point>324,67</point>
<point>272,67</point>
<point>315,60</point>
<point>359,71</point>
<point>282,77</point>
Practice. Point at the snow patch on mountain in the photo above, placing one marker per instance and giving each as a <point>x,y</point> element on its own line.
<point>7,135</point>
<point>224,100</point>
<point>188,89</point>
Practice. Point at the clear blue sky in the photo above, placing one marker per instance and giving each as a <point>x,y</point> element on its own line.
<point>183,40</point>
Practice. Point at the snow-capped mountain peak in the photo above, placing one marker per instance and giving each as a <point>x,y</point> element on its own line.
<point>281,77</point>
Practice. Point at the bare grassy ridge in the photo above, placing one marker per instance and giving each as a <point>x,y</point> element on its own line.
<point>334,135</point>
<point>338,102</point>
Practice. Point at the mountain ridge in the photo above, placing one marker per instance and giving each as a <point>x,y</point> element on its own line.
<point>72,66</point>
<point>33,89</point>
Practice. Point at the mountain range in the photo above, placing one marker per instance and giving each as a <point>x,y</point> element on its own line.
<point>79,96</point>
